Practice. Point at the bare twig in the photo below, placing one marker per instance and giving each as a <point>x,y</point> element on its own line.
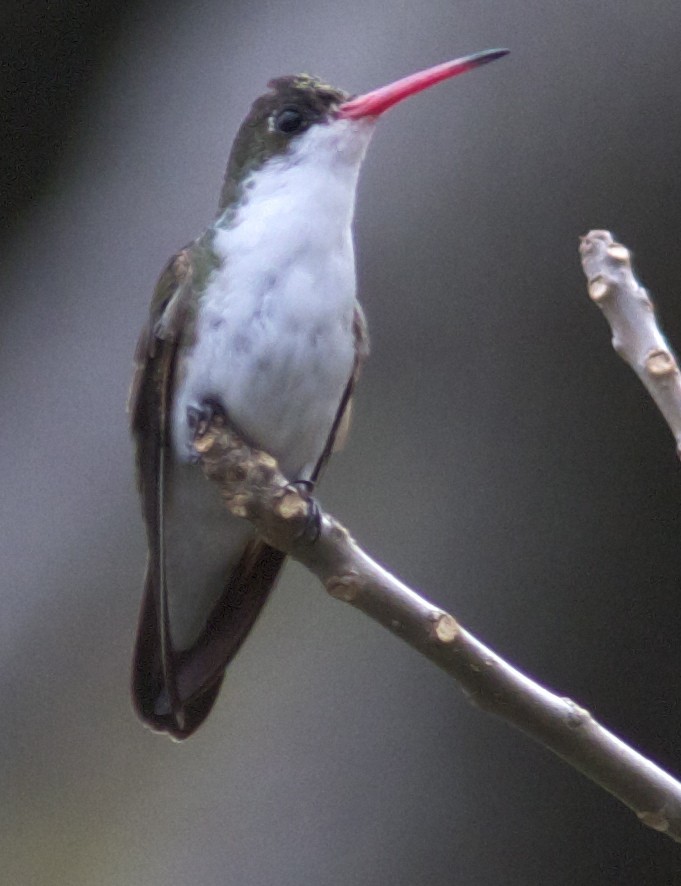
<point>253,487</point>
<point>635,334</point>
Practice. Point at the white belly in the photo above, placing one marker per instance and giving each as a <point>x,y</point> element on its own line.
<point>274,346</point>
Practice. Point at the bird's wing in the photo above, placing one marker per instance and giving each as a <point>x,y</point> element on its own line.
<point>149,406</point>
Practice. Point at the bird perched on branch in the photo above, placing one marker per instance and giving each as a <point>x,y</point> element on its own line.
<point>257,319</point>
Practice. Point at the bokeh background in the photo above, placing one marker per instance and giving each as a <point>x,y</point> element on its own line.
<point>503,460</point>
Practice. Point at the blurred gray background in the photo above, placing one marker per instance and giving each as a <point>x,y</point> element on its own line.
<point>503,460</point>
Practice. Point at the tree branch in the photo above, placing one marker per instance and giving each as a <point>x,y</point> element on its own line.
<point>636,337</point>
<point>253,487</point>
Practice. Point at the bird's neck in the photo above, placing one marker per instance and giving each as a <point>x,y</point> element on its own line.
<point>309,191</point>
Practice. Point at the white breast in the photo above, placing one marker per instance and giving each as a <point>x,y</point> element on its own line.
<point>274,339</point>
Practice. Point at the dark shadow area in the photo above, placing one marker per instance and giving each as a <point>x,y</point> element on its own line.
<point>49,53</point>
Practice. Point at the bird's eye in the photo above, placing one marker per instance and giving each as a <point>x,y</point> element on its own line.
<point>289,120</point>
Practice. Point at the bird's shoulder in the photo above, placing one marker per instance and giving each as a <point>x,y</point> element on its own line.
<point>170,317</point>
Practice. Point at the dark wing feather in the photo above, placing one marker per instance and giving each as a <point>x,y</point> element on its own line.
<point>149,399</point>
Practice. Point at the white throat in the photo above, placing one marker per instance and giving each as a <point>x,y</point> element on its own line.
<point>307,192</point>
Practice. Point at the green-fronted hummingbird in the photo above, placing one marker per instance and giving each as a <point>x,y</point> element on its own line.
<point>257,319</point>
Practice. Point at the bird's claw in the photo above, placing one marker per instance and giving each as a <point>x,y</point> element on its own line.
<point>199,419</point>
<point>313,520</point>
<point>304,487</point>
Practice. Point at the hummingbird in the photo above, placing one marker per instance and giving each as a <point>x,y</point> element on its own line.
<point>258,320</point>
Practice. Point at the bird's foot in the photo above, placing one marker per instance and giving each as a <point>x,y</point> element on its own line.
<point>200,418</point>
<point>304,487</point>
<point>313,522</point>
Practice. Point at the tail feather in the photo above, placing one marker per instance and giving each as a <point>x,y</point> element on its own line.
<point>198,672</point>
